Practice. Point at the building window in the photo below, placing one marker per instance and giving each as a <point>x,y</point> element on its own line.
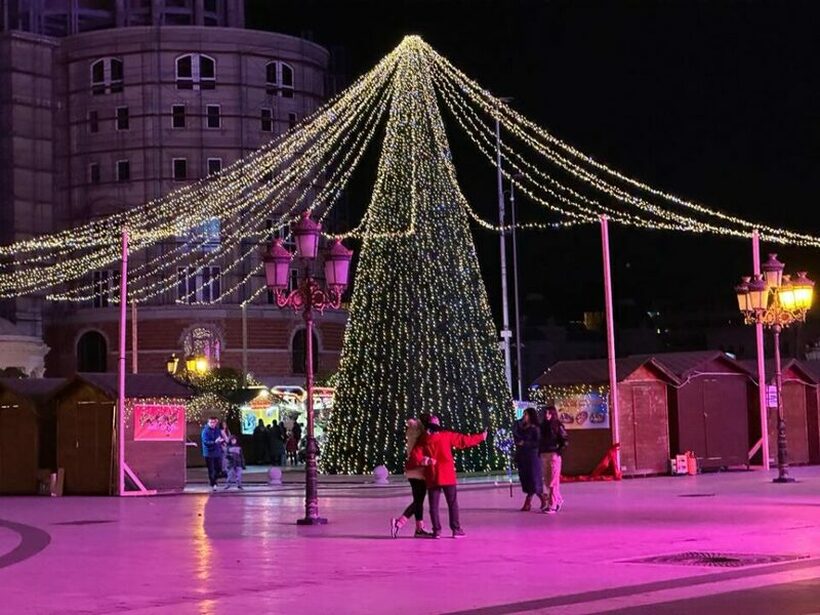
<point>179,168</point>
<point>196,72</point>
<point>92,352</point>
<point>105,286</point>
<point>178,116</point>
<point>94,173</point>
<point>267,120</point>
<point>293,119</point>
<point>93,122</point>
<point>214,165</point>
<point>299,355</point>
<point>212,113</point>
<point>122,118</point>
<point>123,171</point>
<point>197,286</point>
<point>279,79</point>
<point>106,76</point>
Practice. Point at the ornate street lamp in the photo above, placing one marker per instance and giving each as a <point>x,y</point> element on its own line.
<point>307,297</point>
<point>775,301</point>
<point>196,365</point>
<point>172,364</point>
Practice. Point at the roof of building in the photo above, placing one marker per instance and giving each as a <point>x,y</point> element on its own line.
<point>139,386</point>
<point>33,387</point>
<point>811,373</point>
<point>595,371</point>
<point>684,364</point>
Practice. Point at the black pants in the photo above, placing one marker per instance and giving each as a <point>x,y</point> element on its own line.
<point>451,495</point>
<point>416,509</point>
<point>214,468</point>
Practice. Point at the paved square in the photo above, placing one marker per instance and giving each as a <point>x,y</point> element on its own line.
<point>243,553</point>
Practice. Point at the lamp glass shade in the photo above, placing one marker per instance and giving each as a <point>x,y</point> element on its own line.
<point>337,264</point>
<point>201,365</point>
<point>172,364</point>
<point>306,235</point>
<point>190,363</point>
<point>742,293</point>
<point>277,265</point>
<point>773,271</point>
<point>758,294</point>
<point>803,291</point>
<point>785,296</point>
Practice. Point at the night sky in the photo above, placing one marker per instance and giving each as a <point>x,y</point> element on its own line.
<point>718,102</point>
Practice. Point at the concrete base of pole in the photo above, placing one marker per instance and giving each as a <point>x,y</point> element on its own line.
<point>784,479</point>
<point>312,521</point>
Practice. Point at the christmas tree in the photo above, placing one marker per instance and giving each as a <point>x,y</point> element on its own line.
<point>420,337</point>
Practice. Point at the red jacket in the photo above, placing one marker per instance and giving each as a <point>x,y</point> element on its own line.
<point>439,446</point>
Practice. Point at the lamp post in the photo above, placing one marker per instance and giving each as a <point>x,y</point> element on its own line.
<point>775,301</point>
<point>516,295</point>
<point>505,310</point>
<point>307,297</point>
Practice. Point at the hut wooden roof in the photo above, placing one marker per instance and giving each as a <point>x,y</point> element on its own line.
<point>685,364</point>
<point>596,371</point>
<point>33,388</point>
<point>810,374</point>
<point>138,386</point>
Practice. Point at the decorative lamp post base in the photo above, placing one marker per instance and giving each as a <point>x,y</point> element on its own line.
<point>784,479</point>
<point>312,521</point>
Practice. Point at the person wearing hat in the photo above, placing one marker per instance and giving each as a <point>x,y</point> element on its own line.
<point>435,454</point>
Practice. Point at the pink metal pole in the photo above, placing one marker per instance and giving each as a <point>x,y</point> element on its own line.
<point>614,415</point>
<point>761,365</point>
<point>121,366</point>
<point>134,342</point>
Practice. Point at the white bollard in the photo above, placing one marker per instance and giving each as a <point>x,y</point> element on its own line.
<point>380,475</point>
<point>275,476</point>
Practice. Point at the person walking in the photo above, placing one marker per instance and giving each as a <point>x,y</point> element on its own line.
<point>212,449</point>
<point>527,435</point>
<point>236,463</point>
<point>435,454</point>
<point>261,450</point>
<point>553,441</point>
<point>418,486</point>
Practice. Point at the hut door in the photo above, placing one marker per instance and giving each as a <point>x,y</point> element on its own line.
<point>794,410</point>
<point>18,450</point>
<point>651,428</point>
<point>725,422</point>
<point>84,447</point>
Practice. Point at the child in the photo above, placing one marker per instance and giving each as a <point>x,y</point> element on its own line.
<point>435,453</point>
<point>236,463</point>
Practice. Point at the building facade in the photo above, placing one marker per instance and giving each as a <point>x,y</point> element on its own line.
<point>109,104</point>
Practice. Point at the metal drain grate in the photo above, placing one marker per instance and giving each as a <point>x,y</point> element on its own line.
<point>696,495</point>
<point>84,522</point>
<point>715,560</point>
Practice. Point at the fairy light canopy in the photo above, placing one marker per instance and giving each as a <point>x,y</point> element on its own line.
<point>307,169</point>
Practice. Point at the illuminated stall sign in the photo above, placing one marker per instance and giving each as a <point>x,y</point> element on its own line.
<point>583,411</point>
<point>156,422</point>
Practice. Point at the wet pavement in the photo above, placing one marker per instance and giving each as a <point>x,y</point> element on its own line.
<point>236,551</point>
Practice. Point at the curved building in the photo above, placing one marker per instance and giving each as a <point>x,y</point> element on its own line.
<point>126,101</point>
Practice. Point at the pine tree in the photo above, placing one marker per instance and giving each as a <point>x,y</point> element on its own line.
<point>420,337</point>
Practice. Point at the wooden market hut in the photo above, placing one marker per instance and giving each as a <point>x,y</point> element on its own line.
<point>799,410</point>
<point>643,386</point>
<point>27,432</point>
<point>86,433</point>
<point>812,412</point>
<point>709,407</point>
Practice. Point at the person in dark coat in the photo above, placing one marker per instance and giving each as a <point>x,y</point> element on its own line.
<point>212,449</point>
<point>277,445</point>
<point>297,433</point>
<point>527,435</point>
<point>261,447</point>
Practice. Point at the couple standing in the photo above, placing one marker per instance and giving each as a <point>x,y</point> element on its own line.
<point>538,456</point>
<point>431,470</point>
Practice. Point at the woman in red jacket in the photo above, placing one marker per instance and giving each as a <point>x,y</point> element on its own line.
<point>435,453</point>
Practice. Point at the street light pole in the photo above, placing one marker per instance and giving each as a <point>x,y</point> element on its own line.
<point>505,309</point>
<point>782,453</point>
<point>307,297</point>
<point>516,295</point>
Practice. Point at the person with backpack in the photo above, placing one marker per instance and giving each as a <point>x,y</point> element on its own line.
<point>553,442</point>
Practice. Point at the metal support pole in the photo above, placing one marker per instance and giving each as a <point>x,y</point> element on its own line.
<point>311,471</point>
<point>244,343</point>
<point>761,364</point>
<point>614,415</point>
<point>782,453</point>
<point>121,367</point>
<point>519,369</point>
<point>134,338</point>
<point>505,309</point>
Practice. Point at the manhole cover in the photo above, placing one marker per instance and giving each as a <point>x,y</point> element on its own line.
<point>715,560</point>
<point>85,522</point>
